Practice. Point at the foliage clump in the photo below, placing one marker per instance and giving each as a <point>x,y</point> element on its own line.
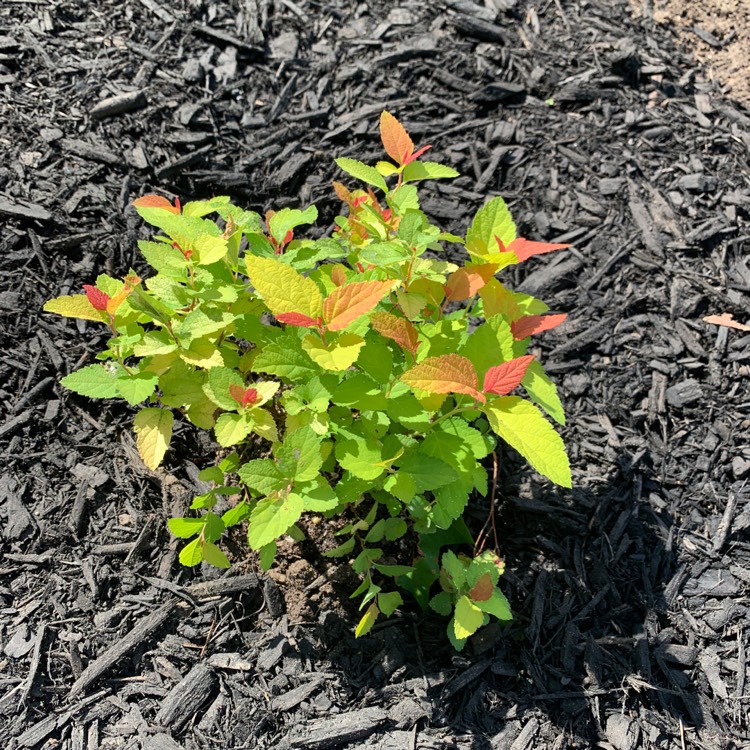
<point>371,375</point>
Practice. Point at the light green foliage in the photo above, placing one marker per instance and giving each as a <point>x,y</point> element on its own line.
<point>354,364</point>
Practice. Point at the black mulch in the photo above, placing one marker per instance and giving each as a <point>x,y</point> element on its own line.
<point>631,591</point>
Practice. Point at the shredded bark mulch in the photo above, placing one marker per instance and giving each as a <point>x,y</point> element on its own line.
<point>630,592</point>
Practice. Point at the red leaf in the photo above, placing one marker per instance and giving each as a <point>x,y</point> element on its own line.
<point>157,201</point>
<point>396,141</point>
<point>243,396</point>
<point>96,297</point>
<point>483,589</point>
<point>524,249</point>
<point>507,376</point>
<point>297,319</point>
<point>288,237</point>
<point>416,155</point>
<point>532,324</point>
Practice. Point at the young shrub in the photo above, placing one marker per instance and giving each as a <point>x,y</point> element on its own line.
<point>373,375</point>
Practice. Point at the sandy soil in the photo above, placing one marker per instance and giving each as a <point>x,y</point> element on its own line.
<point>717,32</point>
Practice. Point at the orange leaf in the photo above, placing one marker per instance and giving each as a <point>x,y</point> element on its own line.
<point>531,324</point>
<point>131,281</point>
<point>448,373</point>
<point>156,201</point>
<point>347,303</point>
<point>297,319</point>
<point>524,249</point>
<point>466,282</point>
<point>725,319</point>
<point>483,589</point>
<point>507,376</point>
<point>343,192</point>
<point>396,141</point>
<point>338,275</point>
<point>400,330</point>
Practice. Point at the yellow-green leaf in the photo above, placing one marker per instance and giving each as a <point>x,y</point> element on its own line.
<point>338,355</point>
<point>153,429</point>
<point>282,288</point>
<point>491,221</point>
<point>468,618</point>
<point>210,249</point>
<point>368,620</point>
<point>75,306</point>
<point>523,427</point>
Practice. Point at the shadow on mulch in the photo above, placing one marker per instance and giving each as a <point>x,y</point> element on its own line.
<point>602,569</point>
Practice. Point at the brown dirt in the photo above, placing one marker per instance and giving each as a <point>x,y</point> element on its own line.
<point>727,21</point>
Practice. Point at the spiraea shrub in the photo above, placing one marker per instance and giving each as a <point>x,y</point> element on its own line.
<point>361,377</point>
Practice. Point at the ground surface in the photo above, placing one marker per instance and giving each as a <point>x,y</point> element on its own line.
<point>631,591</point>
<point>717,33</point>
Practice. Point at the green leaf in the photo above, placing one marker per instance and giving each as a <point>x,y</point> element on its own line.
<point>283,289</point>
<point>404,199</point>
<point>382,254</point>
<point>236,515</point>
<point>272,517</point>
<point>94,381</point>
<point>288,218</point>
<point>427,170</point>
<point>363,172</point>
<point>262,476</point>
<point>454,569</point>
<point>496,605</point>
<point>442,603</point>
<point>543,391</point>
<point>468,618</point>
<point>211,474</point>
<point>164,258</point>
<point>231,429</point>
<point>184,528</point>
<point>489,344</point>
<point>267,555</point>
<point>285,359</point>
<point>387,603</point>
<point>153,428</point>
<point>153,343</point>
<point>217,386</point>
<point>523,427</point>
<point>138,387</point>
<point>192,553</point>
<point>200,323</point>
<point>360,392</point>
<point>196,209</point>
<point>492,220</point>
<point>214,556</point>
<point>427,472</point>
<point>342,550</point>
<point>360,456</point>
<point>376,359</point>
<point>319,496</point>
<point>299,457</point>
<point>401,485</point>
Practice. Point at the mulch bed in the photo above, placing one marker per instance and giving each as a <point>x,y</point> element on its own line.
<point>630,592</point>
